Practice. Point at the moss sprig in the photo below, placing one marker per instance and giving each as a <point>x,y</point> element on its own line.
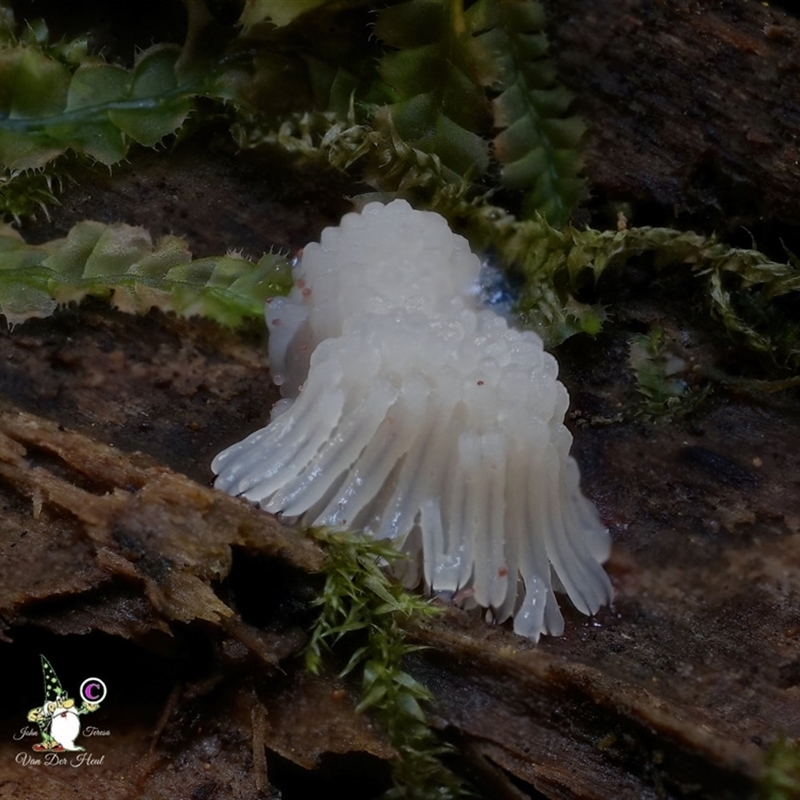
<point>380,158</point>
<point>741,285</point>
<point>97,109</point>
<point>122,262</point>
<point>29,194</point>
<point>363,613</point>
<point>435,76</point>
<point>665,386</point>
<point>781,778</point>
<point>538,141</point>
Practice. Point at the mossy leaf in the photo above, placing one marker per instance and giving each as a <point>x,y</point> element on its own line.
<point>95,110</point>
<point>95,84</point>
<point>554,265</point>
<point>435,84</point>
<point>279,12</point>
<point>537,145</point>
<point>36,84</point>
<point>356,600</point>
<point>123,261</point>
<point>154,90</point>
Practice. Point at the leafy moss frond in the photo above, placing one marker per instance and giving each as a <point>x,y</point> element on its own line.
<point>98,109</point>
<point>122,261</point>
<point>435,79</point>
<point>741,284</point>
<point>281,13</point>
<point>26,193</point>
<point>379,158</point>
<point>361,604</point>
<point>301,57</point>
<point>660,378</point>
<point>781,779</point>
<point>744,287</point>
<point>538,143</point>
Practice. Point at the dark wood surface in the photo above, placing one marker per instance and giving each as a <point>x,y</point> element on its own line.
<point>693,108</point>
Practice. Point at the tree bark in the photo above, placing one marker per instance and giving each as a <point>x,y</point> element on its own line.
<point>693,108</point>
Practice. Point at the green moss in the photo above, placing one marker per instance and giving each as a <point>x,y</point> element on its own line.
<point>435,77</point>
<point>362,615</point>
<point>781,779</point>
<point>740,286</point>
<point>538,143</point>
<point>662,379</point>
<point>122,262</point>
<point>96,109</point>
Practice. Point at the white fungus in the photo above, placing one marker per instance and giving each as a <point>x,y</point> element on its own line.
<point>412,414</point>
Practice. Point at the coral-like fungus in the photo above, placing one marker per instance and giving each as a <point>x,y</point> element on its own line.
<point>412,414</point>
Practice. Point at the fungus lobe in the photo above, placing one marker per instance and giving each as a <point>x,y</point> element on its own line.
<point>413,414</point>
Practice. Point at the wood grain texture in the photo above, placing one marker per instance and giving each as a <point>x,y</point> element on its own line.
<point>693,107</point>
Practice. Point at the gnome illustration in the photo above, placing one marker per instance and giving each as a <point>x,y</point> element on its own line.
<point>58,719</point>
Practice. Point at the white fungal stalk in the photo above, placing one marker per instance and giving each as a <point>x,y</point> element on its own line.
<point>414,415</point>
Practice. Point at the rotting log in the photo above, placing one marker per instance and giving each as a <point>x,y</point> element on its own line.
<point>115,560</point>
<point>693,108</point>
